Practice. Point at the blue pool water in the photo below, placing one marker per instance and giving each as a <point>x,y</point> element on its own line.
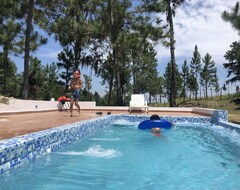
<point>123,157</point>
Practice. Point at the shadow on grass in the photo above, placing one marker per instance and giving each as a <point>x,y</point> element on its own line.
<point>237,102</point>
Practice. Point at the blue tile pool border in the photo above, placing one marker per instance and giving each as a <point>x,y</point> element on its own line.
<point>22,149</point>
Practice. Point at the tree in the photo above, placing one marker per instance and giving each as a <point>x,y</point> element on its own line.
<point>74,26</point>
<point>9,30</point>
<point>8,34</point>
<point>196,68</point>
<point>209,73</point>
<point>170,12</point>
<point>224,87</point>
<point>87,82</point>
<point>216,86</point>
<point>185,78</point>
<point>233,55</point>
<point>66,65</point>
<point>233,17</point>
<point>31,13</point>
<point>192,83</point>
<point>146,77</point>
<point>50,86</point>
<point>129,34</point>
<point>233,65</point>
<point>9,78</point>
<point>167,82</point>
<point>115,27</point>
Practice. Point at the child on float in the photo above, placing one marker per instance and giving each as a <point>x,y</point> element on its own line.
<point>155,129</point>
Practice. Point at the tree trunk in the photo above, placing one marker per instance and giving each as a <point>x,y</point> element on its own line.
<point>206,90</point>
<point>5,62</point>
<point>196,91</point>
<point>27,49</point>
<point>134,78</point>
<point>172,43</point>
<point>119,94</point>
<point>110,90</point>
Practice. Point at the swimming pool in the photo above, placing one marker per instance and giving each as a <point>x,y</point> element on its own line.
<point>119,156</point>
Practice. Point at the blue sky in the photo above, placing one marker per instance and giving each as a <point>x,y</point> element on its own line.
<point>197,22</point>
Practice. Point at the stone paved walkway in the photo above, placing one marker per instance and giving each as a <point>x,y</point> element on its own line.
<point>12,125</point>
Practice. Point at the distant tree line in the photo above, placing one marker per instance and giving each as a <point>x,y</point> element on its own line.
<point>115,38</point>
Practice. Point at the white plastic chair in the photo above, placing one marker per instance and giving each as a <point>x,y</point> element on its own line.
<point>137,102</point>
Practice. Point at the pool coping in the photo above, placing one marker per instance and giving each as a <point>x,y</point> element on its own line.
<point>22,149</point>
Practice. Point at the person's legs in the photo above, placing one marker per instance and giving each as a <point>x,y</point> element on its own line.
<point>77,105</point>
<point>75,97</point>
<point>71,107</point>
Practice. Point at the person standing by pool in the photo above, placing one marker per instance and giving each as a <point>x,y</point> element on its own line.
<point>75,86</point>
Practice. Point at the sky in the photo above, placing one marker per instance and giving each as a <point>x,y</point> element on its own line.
<point>197,22</point>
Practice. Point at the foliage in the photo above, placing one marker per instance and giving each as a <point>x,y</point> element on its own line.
<point>233,17</point>
<point>233,65</point>
<point>9,72</point>
<point>115,38</point>
<point>209,73</point>
<point>167,82</point>
<point>48,84</point>
<point>195,69</point>
<point>185,79</point>
<point>66,65</point>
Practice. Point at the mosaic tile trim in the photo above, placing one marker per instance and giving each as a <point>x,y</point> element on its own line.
<point>23,149</point>
<point>220,116</point>
<point>230,125</point>
<point>174,120</point>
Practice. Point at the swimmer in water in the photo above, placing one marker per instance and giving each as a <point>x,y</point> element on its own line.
<point>155,130</point>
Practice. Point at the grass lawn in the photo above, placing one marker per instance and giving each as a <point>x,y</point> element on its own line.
<point>229,103</point>
<point>235,118</point>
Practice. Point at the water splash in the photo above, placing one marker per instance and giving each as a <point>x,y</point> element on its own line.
<point>230,134</point>
<point>94,151</point>
<point>125,123</point>
<point>105,139</point>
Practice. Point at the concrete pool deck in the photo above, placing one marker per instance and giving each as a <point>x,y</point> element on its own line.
<point>26,116</point>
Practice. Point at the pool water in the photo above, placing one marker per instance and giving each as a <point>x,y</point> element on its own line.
<point>123,157</point>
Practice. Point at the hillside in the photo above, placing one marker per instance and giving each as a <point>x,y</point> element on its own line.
<point>231,105</point>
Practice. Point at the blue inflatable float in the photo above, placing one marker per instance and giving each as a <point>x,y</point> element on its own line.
<point>161,123</point>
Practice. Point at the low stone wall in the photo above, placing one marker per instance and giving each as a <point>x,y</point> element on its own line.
<point>203,111</point>
<point>7,100</point>
<point>20,106</point>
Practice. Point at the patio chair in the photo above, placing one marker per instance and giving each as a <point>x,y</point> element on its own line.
<point>138,102</point>
<point>64,103</point>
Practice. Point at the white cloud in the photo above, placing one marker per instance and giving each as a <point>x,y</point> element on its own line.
<point>200,23</point>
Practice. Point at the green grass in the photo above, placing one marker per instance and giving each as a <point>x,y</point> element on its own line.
<point>229,103</point>
<point>232,105</point>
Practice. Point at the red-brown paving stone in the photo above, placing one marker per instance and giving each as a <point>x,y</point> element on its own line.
<point>12,125</point>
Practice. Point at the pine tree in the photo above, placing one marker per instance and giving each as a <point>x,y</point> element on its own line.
<point>233,17</point>
<point>65,64</point>
<point>170,12</point>
<point>31,13</point>
<point>8,35</point>
<point>167,82</point>
<point>196,68</point>
<point>209,73</point>
<point>233,65</point>
<point>185,78</point>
